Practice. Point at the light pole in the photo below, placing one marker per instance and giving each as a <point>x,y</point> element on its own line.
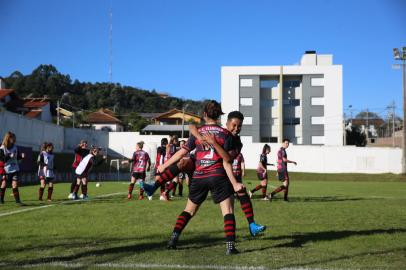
<point>183,119</point>
<point>401,56</point>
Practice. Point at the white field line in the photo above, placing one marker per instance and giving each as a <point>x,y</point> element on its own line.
<point>55,204</point>
<point>141,266</point>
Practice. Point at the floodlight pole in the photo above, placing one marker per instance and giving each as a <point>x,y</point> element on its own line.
<point>404,116</point>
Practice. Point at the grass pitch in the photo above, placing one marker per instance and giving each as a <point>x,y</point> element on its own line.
<point>328,224</point>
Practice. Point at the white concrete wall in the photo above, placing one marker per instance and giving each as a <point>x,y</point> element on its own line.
<point>31,132</point>
<point>93,137</point>
<point>123,143</point>
<point>330,159</point>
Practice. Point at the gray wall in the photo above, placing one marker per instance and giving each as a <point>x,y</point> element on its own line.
<point>251,111</point>
<point>308,110</point>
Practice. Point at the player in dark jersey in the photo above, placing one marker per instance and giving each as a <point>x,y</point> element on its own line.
<point>80,152</point>
<point>262,172</point>
<point>140,164</point>
<point>234,124</point>
<point>83,169</point>
<point>212,174</point>
<point>160,159</point>
<point>282,168</point>
<point>10,157</point>
<point>171,149</point>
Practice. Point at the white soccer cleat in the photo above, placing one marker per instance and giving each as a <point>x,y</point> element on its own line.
<point>149,198</point>
<point>162,198</point>
<point>81,196</point>
<point>250,194</point>
<point>70,196</point>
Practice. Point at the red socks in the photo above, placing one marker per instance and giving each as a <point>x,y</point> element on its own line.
<point>181,222</point>
<point>246,207</point>
<point>229,227</point>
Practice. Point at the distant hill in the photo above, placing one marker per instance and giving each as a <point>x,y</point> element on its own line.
<point>46,80</point>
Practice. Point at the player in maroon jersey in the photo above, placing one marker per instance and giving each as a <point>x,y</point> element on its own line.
<point>160,159</point>
<point>140,164</point>
<point>282,168</point>
<point>171,149</point>
<point>234,124</point>
<point>80,152</point>
<point>212,173</point>
<point>262,172</point>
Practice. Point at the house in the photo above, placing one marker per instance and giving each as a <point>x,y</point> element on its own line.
<point>170,123</point>
<point>105,120</point>
<point>34,108</point>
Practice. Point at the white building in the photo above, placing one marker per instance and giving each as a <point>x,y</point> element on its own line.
<point>300,102</point>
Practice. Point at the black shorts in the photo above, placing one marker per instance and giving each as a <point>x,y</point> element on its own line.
<point>49,179</point>
<point>219,187</point>
<point>138,175</point>
<point>11,176</point>
<point>283,175</point>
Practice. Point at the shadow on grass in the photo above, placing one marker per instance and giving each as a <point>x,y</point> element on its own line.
<point>113,253</point>
<point>298,240</point>
<point>316,199</point>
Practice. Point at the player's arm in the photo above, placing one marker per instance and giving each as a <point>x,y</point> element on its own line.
<point>289,161</point>
<point>41,160</point>
<point>229,170</point>
<point>174,159</point>
<point>194,131</point>
<point>243,168</point>
<point>212,140</point>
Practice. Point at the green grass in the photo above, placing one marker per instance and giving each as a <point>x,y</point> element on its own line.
<point>328,224</point>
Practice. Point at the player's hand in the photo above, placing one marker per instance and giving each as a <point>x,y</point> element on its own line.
<point>209,138</point>
<point>294,162</point>
<point>238,187</point>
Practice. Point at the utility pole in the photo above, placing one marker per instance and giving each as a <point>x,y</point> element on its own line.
<point>401,56</point>
<point>367,126</point>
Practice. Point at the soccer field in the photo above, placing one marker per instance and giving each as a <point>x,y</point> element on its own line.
<point>326,225</point>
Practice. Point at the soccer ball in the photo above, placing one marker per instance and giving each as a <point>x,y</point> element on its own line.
<point>98,184</point>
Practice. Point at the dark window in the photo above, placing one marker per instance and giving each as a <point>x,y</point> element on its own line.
<point>269,139</point>
<point>291,102</point>
<point>268,83</point>
<point>291,121</point>
<point>268,103</point>
<point>291,84</point>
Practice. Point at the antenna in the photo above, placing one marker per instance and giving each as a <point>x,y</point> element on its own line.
<point>111,43</point>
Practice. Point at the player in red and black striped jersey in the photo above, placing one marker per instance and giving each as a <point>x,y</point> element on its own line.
<point>212,173</point>
<point>282,168</point>
<point>262,172</point>
<point>80,152</point>
<point>234,124</point>
<point>171,149</point>
<point>160,159</point>
<point>140,164</point>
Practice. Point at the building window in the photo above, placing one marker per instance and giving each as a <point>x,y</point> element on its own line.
<point>246,138</point>
<point>291,84</point>
<point>245,82</point>
<point>248,120</point>
<point>317,82</point>
<point>267,103</point>
<point>291,102</point>
<point>246,101</point>
<point>317,101</point>
<point>291,121</point>
<point>268,83</point>
<point>317,139</point>
<point>317,120</point>
<point>269,139</point>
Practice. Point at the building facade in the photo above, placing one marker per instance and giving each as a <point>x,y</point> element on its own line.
<point>301,102</point>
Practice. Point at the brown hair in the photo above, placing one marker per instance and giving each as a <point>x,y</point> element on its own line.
<point>213,109</point>
<point>43,146</point>
<point>140,144</point>
<point>7,137</point>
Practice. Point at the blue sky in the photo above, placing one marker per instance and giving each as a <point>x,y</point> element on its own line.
<point>179,46</point>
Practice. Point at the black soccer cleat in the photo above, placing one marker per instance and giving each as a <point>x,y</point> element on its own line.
<point>173,241</point>
<point>231,250</point>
